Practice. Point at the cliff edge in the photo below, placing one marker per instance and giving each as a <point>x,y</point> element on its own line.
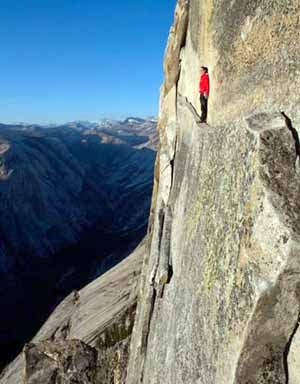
<point>219,300</point>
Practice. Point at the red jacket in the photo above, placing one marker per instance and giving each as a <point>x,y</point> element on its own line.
<point>204,84</point>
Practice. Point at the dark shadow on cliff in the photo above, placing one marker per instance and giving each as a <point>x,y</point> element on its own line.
<point>287,350</point>
<point>294,132</point>
<point>184,100</point>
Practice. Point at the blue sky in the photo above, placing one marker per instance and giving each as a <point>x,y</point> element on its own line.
<point>64,60</point>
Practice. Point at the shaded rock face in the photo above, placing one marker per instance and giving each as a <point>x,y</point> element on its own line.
<point>57,363</point>
<point>219,299</point>
<point>73,202</point>
<point>86,339</point>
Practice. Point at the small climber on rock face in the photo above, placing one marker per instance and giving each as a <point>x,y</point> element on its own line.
<point>204,93</point>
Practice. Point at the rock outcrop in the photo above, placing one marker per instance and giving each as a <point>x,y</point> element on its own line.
<point>86,339</point>
<point>61,362</point>
<point>219,300</point>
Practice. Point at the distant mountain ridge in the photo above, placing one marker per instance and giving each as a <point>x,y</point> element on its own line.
<point>145,129</point>
<point>101,123</point>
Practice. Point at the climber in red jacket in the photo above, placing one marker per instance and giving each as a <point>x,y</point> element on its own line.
<point>204,93</point>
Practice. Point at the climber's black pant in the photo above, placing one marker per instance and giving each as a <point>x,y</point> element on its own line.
<point>203,102</point>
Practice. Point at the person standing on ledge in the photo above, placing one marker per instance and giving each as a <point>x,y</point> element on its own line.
<point>204,93</point>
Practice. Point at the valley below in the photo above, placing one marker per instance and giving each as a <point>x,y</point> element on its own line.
<point>74,201</point>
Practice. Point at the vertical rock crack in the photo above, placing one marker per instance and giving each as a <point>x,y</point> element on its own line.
<point>287,350</point>
<point>295,135</point>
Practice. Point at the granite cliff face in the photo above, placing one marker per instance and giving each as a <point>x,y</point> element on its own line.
<point>219,300</point>
<point>74,200</point>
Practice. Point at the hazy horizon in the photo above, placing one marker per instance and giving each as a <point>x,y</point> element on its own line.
<point>78,120</point>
